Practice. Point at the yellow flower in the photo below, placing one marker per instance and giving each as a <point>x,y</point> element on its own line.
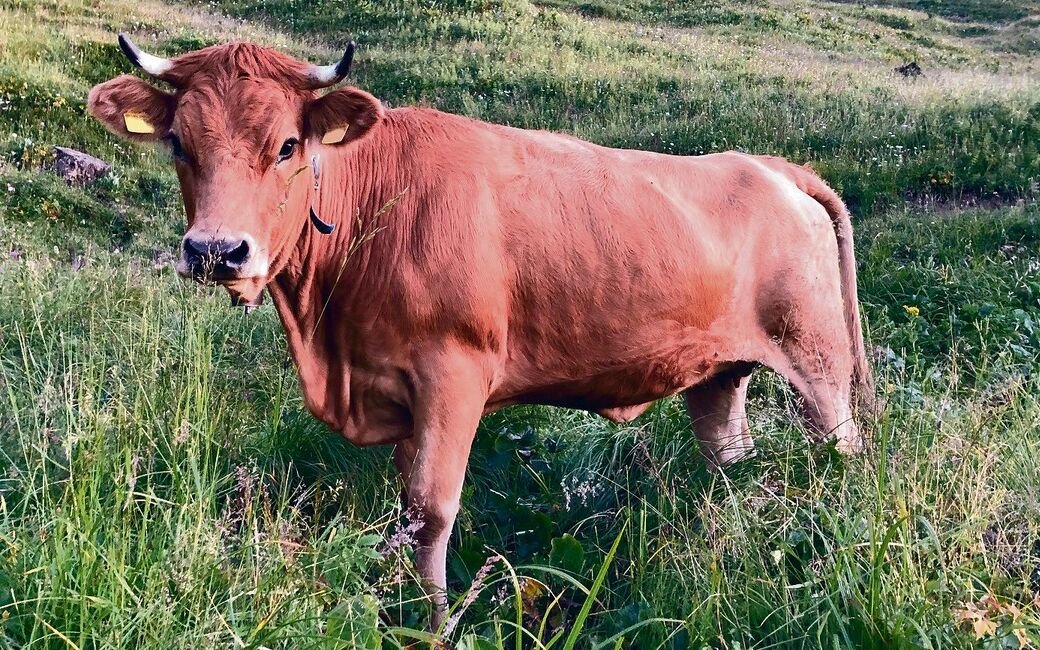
<point>912,311</point>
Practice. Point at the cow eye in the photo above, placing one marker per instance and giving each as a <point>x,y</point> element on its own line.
<point>288,149</point>
<point>175,147</point>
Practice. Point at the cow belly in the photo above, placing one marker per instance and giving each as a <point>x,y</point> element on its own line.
<point>619,395</point>
<point>623,414</point>
<point>620,380</point>
<point>616,388</point>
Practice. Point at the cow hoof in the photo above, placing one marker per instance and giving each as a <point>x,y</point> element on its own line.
<point>850,445</point>
<point>731,455</point>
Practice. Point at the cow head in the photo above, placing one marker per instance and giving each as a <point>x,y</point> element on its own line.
<point>242,123</point>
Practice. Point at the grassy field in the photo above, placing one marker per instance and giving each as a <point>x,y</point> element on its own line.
<point>162,486</point>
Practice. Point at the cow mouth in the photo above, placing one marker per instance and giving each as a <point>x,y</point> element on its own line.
<point>245,291</point>
<point>248,293</point>
<point>217,275</point>
<point>242,300</point>
<point>213,271</point>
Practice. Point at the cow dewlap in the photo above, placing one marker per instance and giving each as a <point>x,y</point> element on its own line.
<point>136,123</point>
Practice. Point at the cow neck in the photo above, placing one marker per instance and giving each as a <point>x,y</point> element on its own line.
<point>318,293</point>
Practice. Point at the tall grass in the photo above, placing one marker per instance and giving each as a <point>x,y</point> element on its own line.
<point>164,488</point>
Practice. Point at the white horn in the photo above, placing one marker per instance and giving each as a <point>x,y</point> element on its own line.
<point>322,76</point>
<point>153,65</point>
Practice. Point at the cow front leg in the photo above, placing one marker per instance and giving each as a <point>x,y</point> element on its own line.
<point>718,412</point>
<point>446,422</point>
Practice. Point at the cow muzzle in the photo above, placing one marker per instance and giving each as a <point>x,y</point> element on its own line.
<point>210,258</point>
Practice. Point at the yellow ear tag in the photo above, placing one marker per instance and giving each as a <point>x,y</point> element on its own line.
<point>335,136</point>
<point>136,123</point>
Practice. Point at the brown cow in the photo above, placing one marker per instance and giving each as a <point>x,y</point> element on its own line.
<point>473,266</point>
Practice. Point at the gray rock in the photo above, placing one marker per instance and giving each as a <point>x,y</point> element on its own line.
<point>78,168</point>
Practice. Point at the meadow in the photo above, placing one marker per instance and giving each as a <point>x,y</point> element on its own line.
<point>162,485</point>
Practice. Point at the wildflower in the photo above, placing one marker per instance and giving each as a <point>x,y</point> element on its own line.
<point>182,433</point>
<point>576,490</point>
<point>240,505</point>
<point>131,479</point>
<point>395,545</point>
<point>404,536</point>
<point>912,310</point>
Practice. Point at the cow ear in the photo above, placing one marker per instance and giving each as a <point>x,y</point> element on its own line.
<point>342,116</point>
<point>131,108</point>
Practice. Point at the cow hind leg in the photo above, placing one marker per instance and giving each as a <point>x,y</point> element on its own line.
<point>819,367</point>
<point>826,406</point>
<point>718,413</point>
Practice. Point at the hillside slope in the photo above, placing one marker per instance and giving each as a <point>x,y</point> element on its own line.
<point>162,486</point>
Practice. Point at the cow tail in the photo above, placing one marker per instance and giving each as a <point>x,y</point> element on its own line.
<point>814,186</point>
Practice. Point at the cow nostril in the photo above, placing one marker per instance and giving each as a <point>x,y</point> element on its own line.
<point>213,255</point>
<point>238,255</point>
<point>194,250</point>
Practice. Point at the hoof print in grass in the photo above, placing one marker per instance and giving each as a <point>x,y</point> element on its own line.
<point>78,168</point>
